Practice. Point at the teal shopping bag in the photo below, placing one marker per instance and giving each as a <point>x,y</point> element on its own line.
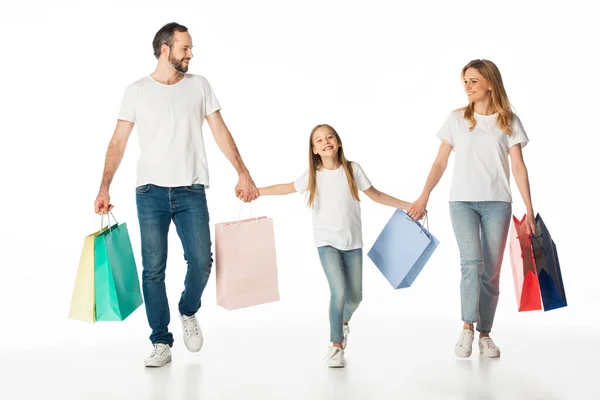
<point>116,281</point>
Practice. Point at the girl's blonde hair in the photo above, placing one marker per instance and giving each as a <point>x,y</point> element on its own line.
<point>315,163</point>
<point>499,98</point>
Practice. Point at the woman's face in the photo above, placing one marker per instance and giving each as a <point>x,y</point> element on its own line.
<point>476,86</point>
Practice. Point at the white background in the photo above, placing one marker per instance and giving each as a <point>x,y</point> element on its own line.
<point>384,74</point>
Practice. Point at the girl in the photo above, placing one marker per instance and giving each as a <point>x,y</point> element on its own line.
<point>332,184</point>
<point>483,134</point>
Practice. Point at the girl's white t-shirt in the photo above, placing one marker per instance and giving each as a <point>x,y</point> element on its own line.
<point>481,166</point>
<point>336,215</point>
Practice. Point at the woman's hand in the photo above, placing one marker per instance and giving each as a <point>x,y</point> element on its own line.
<point>530,224</point>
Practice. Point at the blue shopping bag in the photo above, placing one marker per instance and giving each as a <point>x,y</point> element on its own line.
<point>548,268</point>
<point>402,249</point>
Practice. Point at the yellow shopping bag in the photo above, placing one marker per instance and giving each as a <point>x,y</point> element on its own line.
<point>83,304</point>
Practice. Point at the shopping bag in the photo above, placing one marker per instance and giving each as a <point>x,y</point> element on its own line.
<point>246,265</point>
<point>527,288</point>
<point>116,279</point>
<point>83,304</point>
<point>548,268</point>
<point>402,249</point>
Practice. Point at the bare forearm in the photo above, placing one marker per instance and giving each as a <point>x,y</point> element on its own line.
<point>387,200</point>
<point>276,190</point>
<point>522,179</point>
<point>227,145</point>
<point>437,170</point>
<point>114,155</point>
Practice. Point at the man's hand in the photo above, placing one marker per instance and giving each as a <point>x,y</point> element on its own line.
<point>102,203</point>
<point>245,189</point>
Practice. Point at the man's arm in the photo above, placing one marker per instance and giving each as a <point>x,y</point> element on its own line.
<point>114,155</point>
<point>245,189</point>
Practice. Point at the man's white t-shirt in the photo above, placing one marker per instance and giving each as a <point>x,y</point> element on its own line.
<point>481,166</point>
<point>169,122</point>
<point>336,215</point>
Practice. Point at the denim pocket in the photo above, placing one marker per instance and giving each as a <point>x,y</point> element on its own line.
<point>196,188</point>
<point>143,188</point>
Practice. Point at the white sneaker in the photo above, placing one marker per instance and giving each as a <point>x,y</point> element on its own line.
<point>346,332</point>
<point>161,355</point>
<point>335,357</point>
<point>192,335</point>
<point>464,346</point>
<point>488,348</point>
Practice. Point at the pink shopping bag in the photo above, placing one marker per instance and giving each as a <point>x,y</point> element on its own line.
<point>246,266</point>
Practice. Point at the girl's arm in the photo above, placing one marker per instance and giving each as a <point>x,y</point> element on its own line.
<point>519,171</point>
<point>386,199</point>
<point>275,190</point>
<point>417,209</point>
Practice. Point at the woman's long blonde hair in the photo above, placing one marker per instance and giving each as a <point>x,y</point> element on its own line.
<point>315,163</point>
<point>498,96</point>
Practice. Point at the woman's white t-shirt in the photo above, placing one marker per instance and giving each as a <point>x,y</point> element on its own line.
<point>481,167</point>
<point>336,215</point>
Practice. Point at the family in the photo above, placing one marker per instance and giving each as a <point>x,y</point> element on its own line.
<point>170,106</point>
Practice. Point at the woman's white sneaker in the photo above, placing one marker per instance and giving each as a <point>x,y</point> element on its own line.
<point>488,348</point>
<point>192,335</point>
<point>161,355</point>
<point>464,346</point>
<point>335,357</point>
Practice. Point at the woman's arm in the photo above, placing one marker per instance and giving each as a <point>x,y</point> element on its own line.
<point>519,171</point>
<point>417,209</point>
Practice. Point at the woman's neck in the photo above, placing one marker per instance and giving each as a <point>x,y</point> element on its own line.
<point>483,107</point>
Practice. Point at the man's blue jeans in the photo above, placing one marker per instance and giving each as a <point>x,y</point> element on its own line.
<point>186,206</point>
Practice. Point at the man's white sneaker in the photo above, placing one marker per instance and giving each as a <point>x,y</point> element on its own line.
<point>488,348</point>
<point>464,346</point>
<point>335,357</point>
<point>346,332</point>
<point>192,335</point>
<point>161,355</point>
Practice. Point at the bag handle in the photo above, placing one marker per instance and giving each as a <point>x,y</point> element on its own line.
<point>239,213</point>
<point>108,215</point>
<point>425,220</point>
<point>531,239</point>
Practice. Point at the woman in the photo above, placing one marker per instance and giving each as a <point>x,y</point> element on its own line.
<point>483,135</point>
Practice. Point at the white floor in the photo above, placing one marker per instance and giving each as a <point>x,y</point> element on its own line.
<point>409,358</point>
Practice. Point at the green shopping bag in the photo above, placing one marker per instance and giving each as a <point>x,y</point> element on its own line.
<point>116,279</point>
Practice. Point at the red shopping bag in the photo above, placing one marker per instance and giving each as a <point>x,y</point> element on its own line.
<point>527,287</point>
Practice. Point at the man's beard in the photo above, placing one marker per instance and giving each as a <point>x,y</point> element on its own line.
<point>179,65</point>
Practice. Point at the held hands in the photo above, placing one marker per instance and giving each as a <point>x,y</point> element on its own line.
<point>245,189</point>
<point>102,203</point>
<point>417,209</point>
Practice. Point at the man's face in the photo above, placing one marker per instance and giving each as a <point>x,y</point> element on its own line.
<point>180,52</point>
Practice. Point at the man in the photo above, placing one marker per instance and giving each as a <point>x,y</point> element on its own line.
<point>169,107</point>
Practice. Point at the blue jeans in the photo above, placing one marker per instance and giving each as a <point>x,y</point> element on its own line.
<point>186,206</point>
<point>481,230</point>
<point>344,274</point>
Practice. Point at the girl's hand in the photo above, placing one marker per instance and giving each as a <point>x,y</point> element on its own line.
<point>530,224</point>
<point>417,209</point>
